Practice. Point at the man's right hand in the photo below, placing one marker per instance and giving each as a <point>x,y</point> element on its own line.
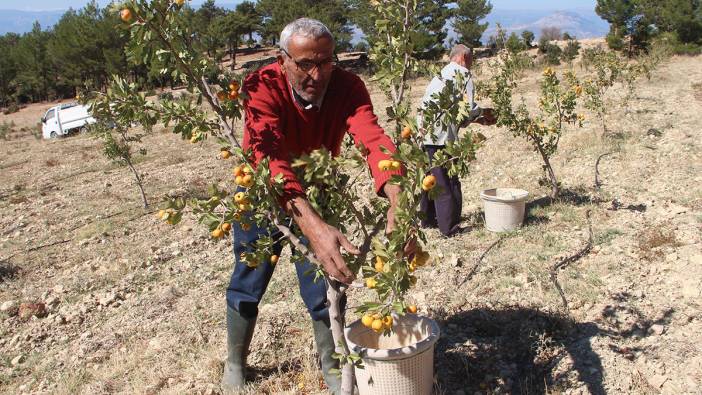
<point>487,117</point>
<point>325,240</point>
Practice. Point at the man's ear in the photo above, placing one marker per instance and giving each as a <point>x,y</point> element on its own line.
<point>281,62</point>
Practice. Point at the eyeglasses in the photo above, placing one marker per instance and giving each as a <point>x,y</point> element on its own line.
<point>307,66</point>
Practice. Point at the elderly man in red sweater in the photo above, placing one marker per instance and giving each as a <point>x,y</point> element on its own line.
<point>299,104</point>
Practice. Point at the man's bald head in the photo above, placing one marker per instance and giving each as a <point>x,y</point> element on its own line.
<point>462,55</point>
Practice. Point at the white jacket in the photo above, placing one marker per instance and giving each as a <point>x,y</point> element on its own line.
<point>449,72</point>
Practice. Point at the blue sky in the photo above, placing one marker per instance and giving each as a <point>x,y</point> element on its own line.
<point>42,5</point>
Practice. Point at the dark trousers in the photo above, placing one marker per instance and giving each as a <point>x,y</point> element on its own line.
<point>247,285</point>
<point>444,211</point>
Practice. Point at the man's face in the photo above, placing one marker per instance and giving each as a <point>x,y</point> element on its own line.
<point>317,55</point>
<point>469,60</point>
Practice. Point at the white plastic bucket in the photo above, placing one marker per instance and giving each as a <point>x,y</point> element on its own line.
<point>402,363</point>
<point>504,208</point>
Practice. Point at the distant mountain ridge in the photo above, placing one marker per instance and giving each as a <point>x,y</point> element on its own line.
<point>579,23</point>
<point>14,21</point>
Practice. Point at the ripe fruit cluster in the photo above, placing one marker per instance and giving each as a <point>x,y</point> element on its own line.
<point>221,230</point>
<point>243,176</point>
<point>377,322</point>
<point>167,215</point>
<point>232,94</point>
<point>386,165</point>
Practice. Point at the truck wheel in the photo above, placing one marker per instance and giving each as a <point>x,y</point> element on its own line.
<point>83,130</point>
<point>53,135</point>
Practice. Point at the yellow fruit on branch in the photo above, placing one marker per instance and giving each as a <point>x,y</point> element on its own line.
<point>412,309</point>
<point>239,180</point>
<point>371,283</point>
<point>233,95</point>
<point>240,197</point>
<point>246,169</point>
<point>225,154</point>
<point>161,214</point>
<point>221,96</point>
<point>238,171</point>
<point>247,181</point>
<point>420,258</point>
<point>274,259</point>
<point>252,263</point>
<point>217,233</point>
<point>226,227</point>
<point>387,321</point>
<point>377,325</point>
<point>379,264</point>
<point>384,165</point>
<point>126,15</point>
<point>245,227</point>
<point>406,132</point>
<point>367,320</point>
<point>428,183</point>
<point>234,86</point>
<point>179,2</point>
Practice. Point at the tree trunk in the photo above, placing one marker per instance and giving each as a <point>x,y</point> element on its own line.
<point>335,292</point>
<point>139,183</point>
<point>549,171</point>
<point>233,53</point>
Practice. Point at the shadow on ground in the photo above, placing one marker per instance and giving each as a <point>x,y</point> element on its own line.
<point>7,270</point>
<point>513,350</point>
<point>518,350</point>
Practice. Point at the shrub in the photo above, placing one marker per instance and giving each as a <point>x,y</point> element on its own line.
<point>528,38</point>
<point>360,46</point>
<point>165,96</point>
<point>5,129</point>
<point>553,54</point>
<point>541,126</point>
<point>615,41</point>
<point>571,50</point>
<point>514,44</point>
<point>12,108</point>
<point>551,33</point>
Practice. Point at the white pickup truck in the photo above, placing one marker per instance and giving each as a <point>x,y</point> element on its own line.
<point>62,119</point>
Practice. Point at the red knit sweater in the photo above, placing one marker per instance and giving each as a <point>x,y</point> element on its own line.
<point>277,127</point>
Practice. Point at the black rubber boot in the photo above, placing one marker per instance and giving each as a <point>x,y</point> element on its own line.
<point>325,347</point>
<point>239,333</point>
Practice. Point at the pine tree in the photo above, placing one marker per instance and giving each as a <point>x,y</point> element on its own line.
<point>468,15</point>
<point>333,13</point>
<point>428,42</point>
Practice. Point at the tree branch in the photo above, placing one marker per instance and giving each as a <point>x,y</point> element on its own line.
<point>563,263</point>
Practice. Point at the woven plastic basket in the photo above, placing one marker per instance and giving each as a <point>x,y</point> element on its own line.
<point>504,208</point>
<point>402,363</point>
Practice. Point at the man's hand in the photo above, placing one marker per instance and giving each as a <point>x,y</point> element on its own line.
<point>393,193</point>
<point>324,239</point>
<point>487,117</point>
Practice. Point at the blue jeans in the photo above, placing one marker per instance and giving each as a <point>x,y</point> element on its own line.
<point>247,285</point>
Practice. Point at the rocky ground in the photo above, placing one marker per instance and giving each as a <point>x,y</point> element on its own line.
<point>98,296</point>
